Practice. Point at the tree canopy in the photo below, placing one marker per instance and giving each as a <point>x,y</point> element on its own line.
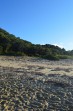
<point>12,45</point>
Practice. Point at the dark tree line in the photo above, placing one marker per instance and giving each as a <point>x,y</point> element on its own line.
<point>11,45</point>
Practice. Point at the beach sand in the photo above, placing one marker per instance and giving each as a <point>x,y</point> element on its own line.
<point>34,84</point>
<point>38,65</point>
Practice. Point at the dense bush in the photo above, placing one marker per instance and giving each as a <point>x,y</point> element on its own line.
<point>11,45</point>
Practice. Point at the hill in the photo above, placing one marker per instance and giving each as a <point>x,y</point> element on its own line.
<point>12,45</point>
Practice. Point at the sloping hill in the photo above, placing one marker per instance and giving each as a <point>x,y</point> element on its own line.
<point>12,45</point>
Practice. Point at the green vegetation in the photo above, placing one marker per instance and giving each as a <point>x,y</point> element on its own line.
<point>11,45</point>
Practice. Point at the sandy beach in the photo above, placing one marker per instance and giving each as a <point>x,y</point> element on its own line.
<point>38,65</point>
<point>34,84</point>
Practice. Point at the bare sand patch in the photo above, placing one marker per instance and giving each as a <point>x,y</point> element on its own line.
<point>38,65</point>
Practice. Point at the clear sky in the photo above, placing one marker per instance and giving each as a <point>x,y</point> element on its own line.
<point>39,21</point>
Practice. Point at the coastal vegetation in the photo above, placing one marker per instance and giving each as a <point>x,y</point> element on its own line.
<point>12,45</point>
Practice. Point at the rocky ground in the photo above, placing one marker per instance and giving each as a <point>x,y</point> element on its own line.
<point>33,84</point>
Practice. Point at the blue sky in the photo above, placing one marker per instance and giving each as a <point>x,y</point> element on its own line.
<point>39,21</point>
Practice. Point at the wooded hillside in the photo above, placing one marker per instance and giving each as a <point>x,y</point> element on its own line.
<point>12,45</point>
